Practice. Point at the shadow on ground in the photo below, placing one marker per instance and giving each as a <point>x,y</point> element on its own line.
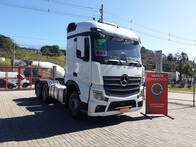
<point>49,120</point>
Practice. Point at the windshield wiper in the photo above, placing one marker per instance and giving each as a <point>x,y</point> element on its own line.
<point>134,63</point>
<point>111,61</point>
<point>115,61</point>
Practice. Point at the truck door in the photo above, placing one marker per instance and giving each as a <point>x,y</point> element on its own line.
<point>82,68</point>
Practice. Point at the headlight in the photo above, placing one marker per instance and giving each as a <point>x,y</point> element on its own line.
<point>141,93</point>
<point>143,75</point>
<point>99,95</point>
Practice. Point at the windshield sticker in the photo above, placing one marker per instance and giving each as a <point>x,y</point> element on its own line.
<point>101,53</point>
<point>100,44</point>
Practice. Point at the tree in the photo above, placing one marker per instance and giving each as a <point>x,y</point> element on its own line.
<point>188,70</point>
<point>50,50</point>
<point>170,57</point>
<point>148,58</point>
<point>169,63</point>
<point>184,57</point>
<point>6,46</point>
<point>63,52</point>
<point>183,66</point>
<point>177,56</point>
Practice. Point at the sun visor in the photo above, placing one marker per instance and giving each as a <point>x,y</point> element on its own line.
<point>117,32</point>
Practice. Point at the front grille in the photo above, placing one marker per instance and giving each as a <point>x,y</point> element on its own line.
<point>117,105</point>
<point>113,86</point>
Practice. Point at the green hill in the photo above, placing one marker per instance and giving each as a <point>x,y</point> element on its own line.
<point>6,50</point>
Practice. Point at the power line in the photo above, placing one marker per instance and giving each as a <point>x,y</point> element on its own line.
<point>153,36</point>
<point>168,38</point>
<point>119,17</point>
<point>72,4</point>
<point>68,14</point>
<point>150,29</point>
<point>163,38</point>
<point>44,10</point>
<point>35,38</point>
<point>164,33</point>
<point>23,7</point>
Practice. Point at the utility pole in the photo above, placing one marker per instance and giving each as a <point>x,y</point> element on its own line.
<point>13,60</point>
<point>102,14</point>
<point>194,79</point>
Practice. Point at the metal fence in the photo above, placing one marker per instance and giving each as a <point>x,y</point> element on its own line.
<point>22,78</point>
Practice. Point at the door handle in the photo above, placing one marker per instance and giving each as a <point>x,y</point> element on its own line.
<point>75,74</point>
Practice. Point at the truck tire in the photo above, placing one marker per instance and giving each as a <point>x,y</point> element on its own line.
<point>38,89</point>
<point>45,93</point>
<point>75,105</point>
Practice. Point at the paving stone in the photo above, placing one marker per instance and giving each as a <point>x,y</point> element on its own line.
<point>27,121</point>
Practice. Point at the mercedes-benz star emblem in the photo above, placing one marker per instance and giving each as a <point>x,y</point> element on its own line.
<point>124,80</point>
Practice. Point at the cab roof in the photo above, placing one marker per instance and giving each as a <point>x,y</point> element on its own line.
<point>106,28</point>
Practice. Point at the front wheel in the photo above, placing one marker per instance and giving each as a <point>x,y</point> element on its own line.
<point>75,105</point>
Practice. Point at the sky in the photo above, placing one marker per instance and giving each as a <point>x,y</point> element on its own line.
<point>167,25</point>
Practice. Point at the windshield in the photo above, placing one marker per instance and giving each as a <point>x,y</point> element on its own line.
<point>115,50</point>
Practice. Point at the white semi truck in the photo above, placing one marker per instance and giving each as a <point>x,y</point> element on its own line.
<point>103,71</point>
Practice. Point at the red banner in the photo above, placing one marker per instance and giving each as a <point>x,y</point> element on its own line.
<point>157,93</point>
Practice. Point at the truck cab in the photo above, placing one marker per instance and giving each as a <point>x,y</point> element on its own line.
<point>103,71</point>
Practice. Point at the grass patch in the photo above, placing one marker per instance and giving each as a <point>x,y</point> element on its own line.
<point>32,55</point>
<point>185,89</point>
<point>7,62</point>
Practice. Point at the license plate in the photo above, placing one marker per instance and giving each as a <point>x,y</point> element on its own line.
<point>124,110</point>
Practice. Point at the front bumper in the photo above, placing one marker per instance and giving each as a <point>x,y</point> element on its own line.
<point>113,105</point>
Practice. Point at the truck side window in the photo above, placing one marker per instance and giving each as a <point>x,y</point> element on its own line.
<point>86,49</point>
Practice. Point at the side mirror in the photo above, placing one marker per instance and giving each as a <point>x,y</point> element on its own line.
<point>78,53</point>
<point>86,49</point>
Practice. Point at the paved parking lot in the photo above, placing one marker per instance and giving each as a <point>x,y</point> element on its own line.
<point>26,121</point>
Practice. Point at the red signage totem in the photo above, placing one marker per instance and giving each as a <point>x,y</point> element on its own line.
<point>157,93</point>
